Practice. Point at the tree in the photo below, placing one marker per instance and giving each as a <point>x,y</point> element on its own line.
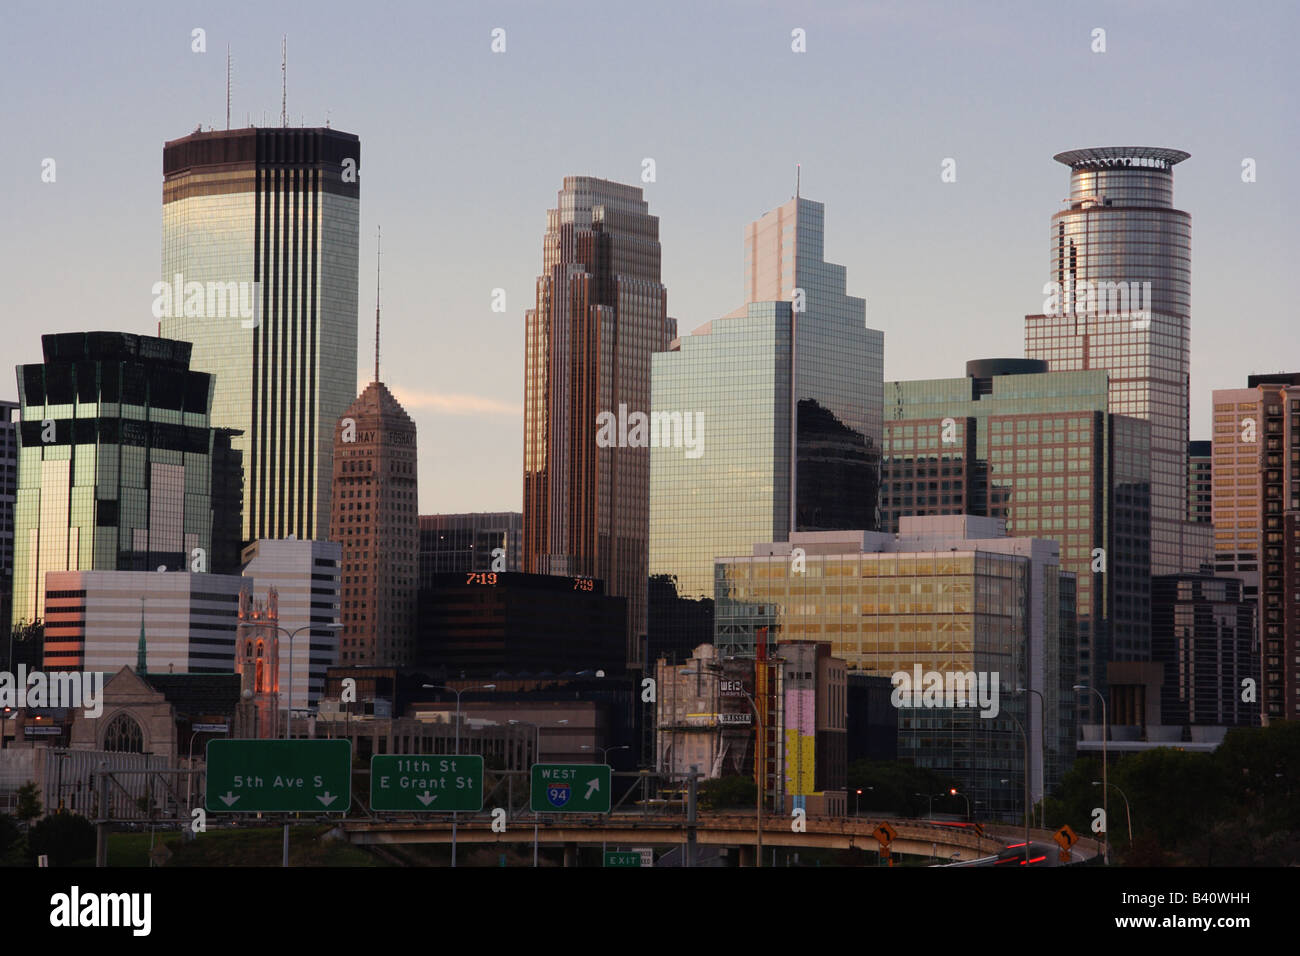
<point>29,802</point>
<point>66,838</point>
<point>727,793</point>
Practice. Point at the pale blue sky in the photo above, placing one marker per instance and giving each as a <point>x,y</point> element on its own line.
<point>463,151</point>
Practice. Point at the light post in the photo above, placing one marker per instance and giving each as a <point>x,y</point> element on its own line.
<point>929,813</point>
<point>288,703</point>
<point>537,758</point>
<point>604,756</point>
<point>1042,732</point>
<point>1127,812</point>
<point>1105,790</point>
<point>857,805</point>
<point>1028,809</point>
<point>457,693</point>
<point>952,792</point>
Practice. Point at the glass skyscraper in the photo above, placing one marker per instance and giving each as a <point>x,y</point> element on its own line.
<point>114,461</point>
<point>1039,450</point>
<point>259,271</point>
<point>601,311</point>
<point>789,389</point>
<point>1119,298</point>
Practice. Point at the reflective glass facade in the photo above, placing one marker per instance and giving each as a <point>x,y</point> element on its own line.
<point>114,461</point>
<point>789,386</point>
<point>1121,227</point>
<point>601,311</point>
<point>280,208</point>
<point>1040,451</point>
<point>8,493</point>
<point>888,605</point>
<point>838,368</point>
<point>465,542</point>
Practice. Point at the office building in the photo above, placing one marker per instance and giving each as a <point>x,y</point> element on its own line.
<point>8,495</point>
<point>306,578</point>
<point>115,463</point>
<point>259,272</point>
<point>788,389</point>
<point>1203,633</point>
<point>1119,298</point>
<point>601,311</point>
<point>1256,503</point>
<point>486,541</point>
<point>950,595</point>
<point>1038,449</point>
<point>375,520</point>
<point>479,623</point>
<point>100,620</point>
<point>1200,482</point>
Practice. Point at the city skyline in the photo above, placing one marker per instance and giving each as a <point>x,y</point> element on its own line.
<point>885,199</point>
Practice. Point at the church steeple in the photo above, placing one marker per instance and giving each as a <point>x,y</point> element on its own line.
<point>140,648</point>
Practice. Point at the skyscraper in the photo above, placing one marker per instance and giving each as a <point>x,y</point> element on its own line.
<point>788,388</point>
<point>1119,298</point>
<point>838,368</point>
<point>259,271</point>
<point>601,311</point>
<point>374,518</point>
<point>114,468</point>
<point>1039,450</point>
<point>1256,509</point>
<point>8,493</point>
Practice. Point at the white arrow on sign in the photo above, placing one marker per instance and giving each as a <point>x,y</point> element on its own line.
<point>229,799</point>
<point>592,787</point>
<point>426,798</point>
<point>327,799</point>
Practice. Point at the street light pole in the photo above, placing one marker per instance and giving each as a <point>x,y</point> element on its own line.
<point>1127,812</point>
<point>1028,810</point>
<point>1042,732</point>
<point>1105,790</point>
<point>457,693</point>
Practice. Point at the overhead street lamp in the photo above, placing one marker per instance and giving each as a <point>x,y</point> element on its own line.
<point>1042,731</point>
<point>457,693</point>
<point>1105,790</point>
<point>1127,812</point>
<point>288,702</point>
<point>537,758</point>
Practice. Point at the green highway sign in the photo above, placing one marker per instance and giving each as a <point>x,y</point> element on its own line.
<point>279,776</point>
<point>570,788</point>
<point>623,858</point>
<point>436,783</point>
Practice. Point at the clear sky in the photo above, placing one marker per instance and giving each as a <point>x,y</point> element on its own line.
<point>463,150</point>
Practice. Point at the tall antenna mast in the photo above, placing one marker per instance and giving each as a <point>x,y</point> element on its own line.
<point>284,79</point>
<point>378,253</point>
<point>227,86</point>
<point>798,172</point>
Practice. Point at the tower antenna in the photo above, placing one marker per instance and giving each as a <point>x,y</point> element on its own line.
<point>798,172</point>
<point>227,86</point>
<point>284,79</point>
<point>378,252</point>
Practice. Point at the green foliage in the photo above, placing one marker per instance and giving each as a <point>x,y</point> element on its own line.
<point>894,787</point>
<point>1236,806</point>
<point>727,793</point>
<point>29,802</point>
<point>67,838</point>
<point>9,833</point>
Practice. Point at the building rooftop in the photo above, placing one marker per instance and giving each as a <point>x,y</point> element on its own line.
<point>1107,157</point>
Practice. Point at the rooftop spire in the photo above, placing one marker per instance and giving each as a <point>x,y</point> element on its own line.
<point>378,252</point>
<point>140,647</point>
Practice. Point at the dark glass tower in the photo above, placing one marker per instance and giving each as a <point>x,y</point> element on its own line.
<point>114,467</point>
